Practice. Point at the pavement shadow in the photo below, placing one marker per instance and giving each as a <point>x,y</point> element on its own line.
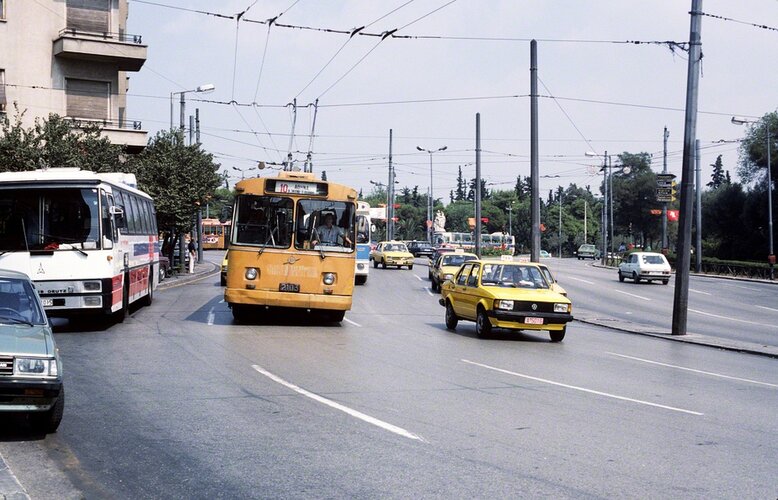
<point>217,312</point>
<point>467,329</point>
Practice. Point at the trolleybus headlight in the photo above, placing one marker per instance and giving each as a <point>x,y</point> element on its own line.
<point>251,273</point>
<point>329,278</point>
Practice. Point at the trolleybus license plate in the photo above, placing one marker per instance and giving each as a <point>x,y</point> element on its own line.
<point>289,287</point>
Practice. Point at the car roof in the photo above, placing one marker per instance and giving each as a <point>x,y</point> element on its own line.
<point>462,253</point>
<point>7,273</point>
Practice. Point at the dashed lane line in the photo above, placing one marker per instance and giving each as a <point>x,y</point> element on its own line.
<point>633,295</point>
<point>767,308</point>
<point>337,406</point>
<point>10,487</point>
<point>733,319</point>
<point>699,291</point>
<point>703,372</point>
<point>583,389</point>
<point>581,280</point>
<point>352,322</point>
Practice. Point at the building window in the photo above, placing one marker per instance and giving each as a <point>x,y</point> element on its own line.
<point>3,101</point>
<point>92,16</point>
<point>88,99</point>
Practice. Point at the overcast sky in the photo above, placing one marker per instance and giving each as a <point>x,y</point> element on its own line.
<point>576,62</point>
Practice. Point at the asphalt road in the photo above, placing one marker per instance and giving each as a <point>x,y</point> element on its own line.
<point>737,310</point>
<point>178,402</point>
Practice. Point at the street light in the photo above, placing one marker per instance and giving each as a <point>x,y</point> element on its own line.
<point>244,170</point>
<point>208,87</point>
<point>430,204</point>
<point>771,257</point>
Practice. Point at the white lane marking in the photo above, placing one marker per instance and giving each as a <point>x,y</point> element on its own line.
<point>345,409</point>
<point>712,374</point>
<point>768,308</point>
<point>747,288</point>
<point>733,319</point>
<point>429,291</point>
<point>211,317</point>
<point>221,301</point>
<point>582,389</point>
<point>581,280</point>
<point>418,277</point>
<point>632,295</point>
<point>698,291</point>
<point>352,322</point>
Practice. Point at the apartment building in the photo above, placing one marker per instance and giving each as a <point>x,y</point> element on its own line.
<point>70,57</point>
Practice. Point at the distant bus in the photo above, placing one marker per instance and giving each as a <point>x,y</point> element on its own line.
<point>216,234</point>
<point>292,245</point>
<point>88,241</point>
<point>467,240</point>
<point>364,236</point>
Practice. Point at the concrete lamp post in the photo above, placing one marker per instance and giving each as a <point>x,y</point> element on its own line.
<point>431,203</point>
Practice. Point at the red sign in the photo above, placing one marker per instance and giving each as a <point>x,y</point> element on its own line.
<point>656,211</point>
<point>542,228</point>
<point>672,215</point>
<point>485,220</point>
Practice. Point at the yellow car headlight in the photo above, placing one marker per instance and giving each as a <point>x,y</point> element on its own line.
<point>505,305</point>
<point>561,308</point>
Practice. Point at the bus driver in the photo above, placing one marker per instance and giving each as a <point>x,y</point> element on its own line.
<point>328,233</point>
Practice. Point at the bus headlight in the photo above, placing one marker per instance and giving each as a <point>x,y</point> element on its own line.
<point>251,273</point>
<point>329,278</point>
<point>561,308</point>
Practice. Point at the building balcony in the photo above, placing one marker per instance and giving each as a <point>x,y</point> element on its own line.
<point>126,51</point>
<point>129,134</point>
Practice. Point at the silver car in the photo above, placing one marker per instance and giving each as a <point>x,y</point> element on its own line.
<point>30,368</point>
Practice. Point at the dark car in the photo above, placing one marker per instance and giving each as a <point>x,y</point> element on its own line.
<point>30,368</point>
<point>421,249</point>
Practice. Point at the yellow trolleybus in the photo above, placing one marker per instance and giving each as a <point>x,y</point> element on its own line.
<point>216,234</point>
<point>292,245</point>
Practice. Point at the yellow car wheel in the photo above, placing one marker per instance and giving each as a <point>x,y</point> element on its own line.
<point>557,336</point>
<point>451,317</point>
<point>482,325</point>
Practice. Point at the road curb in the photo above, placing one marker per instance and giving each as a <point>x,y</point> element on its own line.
<point>689,338</point>
<point>10,487</point>
<point>706,275</point>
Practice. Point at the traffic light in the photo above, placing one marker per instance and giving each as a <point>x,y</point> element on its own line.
<point>673,191</point>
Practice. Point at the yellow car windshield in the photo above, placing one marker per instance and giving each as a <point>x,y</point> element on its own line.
<point>513,276</point>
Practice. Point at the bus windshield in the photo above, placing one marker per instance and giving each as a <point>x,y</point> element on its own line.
<point>325,225</point>
<point>264,221</point>
<point>49,219</point>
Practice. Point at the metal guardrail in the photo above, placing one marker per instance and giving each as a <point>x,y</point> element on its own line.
<point>107,35</point>
<point>124,124</point>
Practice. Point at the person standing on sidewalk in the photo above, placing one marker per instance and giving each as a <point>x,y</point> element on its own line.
<point>192,255</point>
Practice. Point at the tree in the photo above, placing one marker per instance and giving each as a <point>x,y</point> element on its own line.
<point>634,195</point>
<point>471,190</point>
<point>753,150</point>
<point>461,186</point>
<point>717,177</point>
<point>179,178</point>
<point>55,142</point>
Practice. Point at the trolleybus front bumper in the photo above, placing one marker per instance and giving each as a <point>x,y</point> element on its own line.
<point>287,299</point>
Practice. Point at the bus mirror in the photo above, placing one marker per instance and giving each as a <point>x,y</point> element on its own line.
<point>116,211</point>
<point>118,214</point>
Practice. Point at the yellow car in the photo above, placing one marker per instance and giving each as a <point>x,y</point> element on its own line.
<point>446,265</point>
<point>392,253</point>
<point>224,270</point>
<point>554,284</point>
<point>505,294</point>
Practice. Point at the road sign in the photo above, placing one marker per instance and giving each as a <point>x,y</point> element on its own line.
<point>668,177</point>
<point>664,194</point>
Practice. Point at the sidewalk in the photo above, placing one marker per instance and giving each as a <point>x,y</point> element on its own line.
<point>202,271</point>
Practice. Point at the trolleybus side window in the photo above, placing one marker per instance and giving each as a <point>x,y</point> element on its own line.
<point>264,221</point>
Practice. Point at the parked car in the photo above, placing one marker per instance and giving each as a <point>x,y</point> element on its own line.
<point>505,294</point>
<point>544,254</point>
<point>164,267</point>
<point>392,253</point>
<point>587,251</point>
<point>647,266</point>
<point>30,368</point>
<point>421,249</point>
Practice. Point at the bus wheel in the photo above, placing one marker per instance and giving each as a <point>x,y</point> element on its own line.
<point>240,313</point>
<point>147,300</point>
<point>122,313</point>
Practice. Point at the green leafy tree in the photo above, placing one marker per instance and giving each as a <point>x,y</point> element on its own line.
<point>461,192</point>
<point>753,150</point>
<point>717,178</point>
<point>634,195</point>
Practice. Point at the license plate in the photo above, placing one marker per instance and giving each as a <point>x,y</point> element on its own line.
<point>289,287</point>
<point>48,302</point>
<point>533,321</point>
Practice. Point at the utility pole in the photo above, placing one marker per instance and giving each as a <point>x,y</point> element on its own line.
<point>478,184</point>
<point>681,295</point>
<point>586,203</point>
<point>390,195</point>
<point>664,204</point>
<point>698,208</point>
<point>199,207</point>
<point>534,154</point>
<point>288,165</point>
<point>610,195</point>
<point>560,222</point>
<point>604,256</point>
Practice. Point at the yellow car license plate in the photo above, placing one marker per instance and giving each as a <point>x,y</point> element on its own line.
<point>533,321</point>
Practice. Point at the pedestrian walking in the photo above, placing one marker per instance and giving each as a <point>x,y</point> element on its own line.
<point>192,255</point>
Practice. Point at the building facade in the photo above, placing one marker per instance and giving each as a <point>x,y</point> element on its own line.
<point>70,57</point>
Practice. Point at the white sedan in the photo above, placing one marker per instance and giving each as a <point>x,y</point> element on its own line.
<point>647,266</point>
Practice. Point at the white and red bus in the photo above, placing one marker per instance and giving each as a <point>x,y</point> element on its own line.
<point>88,241</point>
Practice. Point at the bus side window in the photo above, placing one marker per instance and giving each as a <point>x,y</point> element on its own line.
<point>108,230</point>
